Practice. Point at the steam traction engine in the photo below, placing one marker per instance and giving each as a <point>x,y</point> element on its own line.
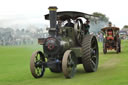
<point>62,51</point>
<point>111,39</point>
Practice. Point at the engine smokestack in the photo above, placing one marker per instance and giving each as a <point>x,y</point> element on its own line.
<point>52,18</point>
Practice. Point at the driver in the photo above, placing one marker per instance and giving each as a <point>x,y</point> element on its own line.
<point>69,24</point>
<point>58,26</point>
<point>110,24</point>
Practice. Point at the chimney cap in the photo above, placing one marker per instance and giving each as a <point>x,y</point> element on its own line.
<point>52,8</point>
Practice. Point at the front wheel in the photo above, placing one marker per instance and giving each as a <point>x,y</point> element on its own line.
<point>69,63</point>
<point>104,47</point>
<point>117,47</point>
<point>36,64</point>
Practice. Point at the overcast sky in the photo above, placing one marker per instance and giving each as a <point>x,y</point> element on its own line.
<point>14,12</point>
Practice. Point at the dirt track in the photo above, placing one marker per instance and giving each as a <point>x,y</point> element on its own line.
<point>111,63</point>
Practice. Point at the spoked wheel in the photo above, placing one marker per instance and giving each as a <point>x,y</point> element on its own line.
<point>69,63</point>
<point>79,31</point>
<point>104,48</point>
<point>90,51</point>
<point>36,64</point>
<point>117,47</point>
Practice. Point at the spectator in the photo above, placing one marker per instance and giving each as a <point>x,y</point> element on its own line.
<point>101,37</point>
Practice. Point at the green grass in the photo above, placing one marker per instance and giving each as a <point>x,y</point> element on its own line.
<point>15,70</point>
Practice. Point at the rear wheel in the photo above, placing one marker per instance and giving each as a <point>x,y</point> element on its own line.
<point>36,67</point>
<point>69,63</point>
<point>119,45</point>
<point>90,51</point>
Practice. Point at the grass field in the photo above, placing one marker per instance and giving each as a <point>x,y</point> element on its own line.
<point>15,70</point>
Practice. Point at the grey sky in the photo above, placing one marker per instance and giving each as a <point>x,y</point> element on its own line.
<point>31,11</point>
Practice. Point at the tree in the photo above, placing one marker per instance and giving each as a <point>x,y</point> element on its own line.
<point>125,26</point>
<point>101,16</point>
